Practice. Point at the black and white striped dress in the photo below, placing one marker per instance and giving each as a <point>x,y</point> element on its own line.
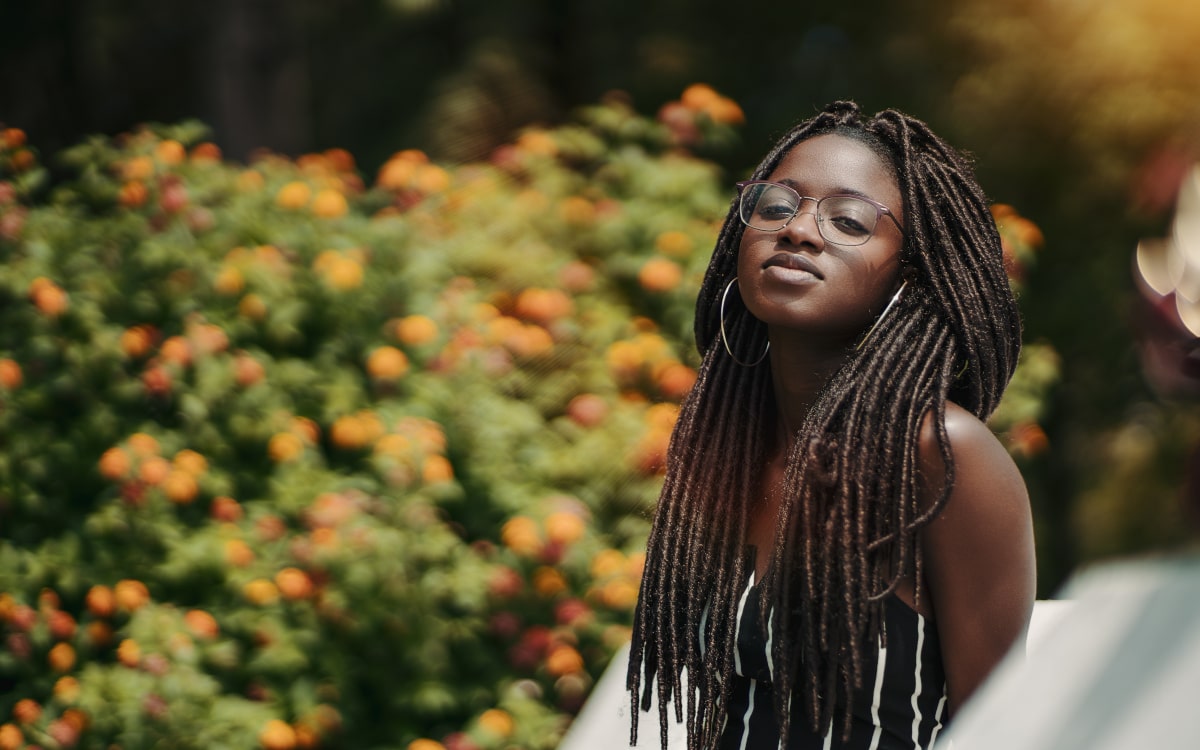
<point>901,705</point>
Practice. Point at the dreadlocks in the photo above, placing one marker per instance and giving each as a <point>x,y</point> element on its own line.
<point>847,524</point>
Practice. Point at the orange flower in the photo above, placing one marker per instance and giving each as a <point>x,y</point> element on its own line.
<point>202,624</point>
<point>129,653</point>
<point>99,633</point>
<point>114,464</point>
<point>563,660</point>
<point>260,591</point>
<point>543,305</point>
<point>293,195</point>
<point>177,350</point>
<point>496,721</point>
<point>48,297</point>
<point>131,595</point>
<point>521,535</point>
<point>674,243</point>
<point>607,563</point>
<point>101,601</point>
<point>153,470</point>
<point>284,447</point>
<point>343,273</point>
<point>190,461</point>
<point>138,168</point>
<point>229,281</point>
<point>538,143</point>
<point>415,330</point>
<point>61,657</point>
<point>277,734</point>
<point>624,359</point>
<point>660,275</point>
<point>619,593</point>
<point>436,469</point>
<point>66,689</point>
<point>431,179</point>
<point>11,738</point>
<point>564,527</point>
<point>169,152</point>
<point>329,204</point>
<point>133,194</point>
<point>74,717</point>
<point>180,487</point>
<point>12,138</point>
<point>247,370</point>
<point>253,307</point>
<point>548,581</point>
<point>675,380</point>
<point>698,96</point>
<point>725,111</point>
<point>577,211</point>
<point>294,583</point>
<point>387,363</point>
<point>225,509</point>
<point>27,711</point>
<point>206,153</point>
<point>137,341</point>
<point>238,553</point>
<point>143,445</point>
<point>10,374</point>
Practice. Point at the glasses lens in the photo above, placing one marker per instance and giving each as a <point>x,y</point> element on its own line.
<point>768,207</point>
<point>846,220</point>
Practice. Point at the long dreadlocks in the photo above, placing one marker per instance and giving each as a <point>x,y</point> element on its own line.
<point>847,524</point>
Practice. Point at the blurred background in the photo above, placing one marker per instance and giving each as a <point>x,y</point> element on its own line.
<point>1083,117</point>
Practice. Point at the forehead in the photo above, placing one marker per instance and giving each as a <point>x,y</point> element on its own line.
<point>831,163</point>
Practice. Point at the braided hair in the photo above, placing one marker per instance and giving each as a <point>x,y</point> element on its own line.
<point>851,511</point>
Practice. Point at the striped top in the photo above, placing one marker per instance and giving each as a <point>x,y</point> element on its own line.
<point>901,704</point>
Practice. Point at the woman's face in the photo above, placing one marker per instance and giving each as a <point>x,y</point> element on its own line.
<point>793,279</point>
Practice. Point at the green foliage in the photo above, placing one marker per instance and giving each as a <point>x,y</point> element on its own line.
<point>289,460</point>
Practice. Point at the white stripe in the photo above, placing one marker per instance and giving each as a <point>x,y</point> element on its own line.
<point>746,718</point>
<point>916,728</point>
<point>937,717</point>
<point>737,626</point>
<point>770,637</point>
<point>703,621</point>
<point>789,713</point>
<point>875,699</point>
<point>828,737</point>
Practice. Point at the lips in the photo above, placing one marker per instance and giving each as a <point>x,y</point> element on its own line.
<point>794,261</point>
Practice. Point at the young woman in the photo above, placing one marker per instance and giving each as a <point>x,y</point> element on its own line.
<point>842,550</point>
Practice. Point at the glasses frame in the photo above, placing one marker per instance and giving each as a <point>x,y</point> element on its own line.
<point>879,209</point>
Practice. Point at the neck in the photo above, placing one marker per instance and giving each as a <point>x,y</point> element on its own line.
<point>799,371</point>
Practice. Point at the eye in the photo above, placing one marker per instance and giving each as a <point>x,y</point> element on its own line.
<point>775,203</point>
<point>775,209</point>
<point>850,216</point>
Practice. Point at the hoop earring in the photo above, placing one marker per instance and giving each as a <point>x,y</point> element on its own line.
<point>882,315</point>
<point>725,338</point>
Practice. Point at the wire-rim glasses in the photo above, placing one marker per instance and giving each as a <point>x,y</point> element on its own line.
<point>847,220</point>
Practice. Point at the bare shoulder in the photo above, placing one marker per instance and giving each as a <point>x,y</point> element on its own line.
<point>980,571</point>
<point>980,462</point>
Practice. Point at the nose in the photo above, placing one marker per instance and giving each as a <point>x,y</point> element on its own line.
<point>804,228</point>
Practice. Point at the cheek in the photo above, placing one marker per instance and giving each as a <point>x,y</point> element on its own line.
<point>875,272</point>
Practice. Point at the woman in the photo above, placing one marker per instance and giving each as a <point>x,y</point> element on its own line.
<point>842,550</point>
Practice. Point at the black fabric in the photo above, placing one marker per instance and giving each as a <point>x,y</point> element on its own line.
<point>904,662</point>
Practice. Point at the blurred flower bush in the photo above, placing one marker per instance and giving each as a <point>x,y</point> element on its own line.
<point>293,458</point>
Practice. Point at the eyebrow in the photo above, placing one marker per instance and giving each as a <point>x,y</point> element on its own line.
<point>837,191</point>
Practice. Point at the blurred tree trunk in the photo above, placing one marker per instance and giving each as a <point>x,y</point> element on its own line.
<point>259,88</point>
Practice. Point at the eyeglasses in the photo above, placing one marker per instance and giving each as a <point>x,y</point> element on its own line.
<point>841,219</point>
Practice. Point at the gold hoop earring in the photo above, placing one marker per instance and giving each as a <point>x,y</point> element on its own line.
<point>882,315</point>
<point>725,339</point>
